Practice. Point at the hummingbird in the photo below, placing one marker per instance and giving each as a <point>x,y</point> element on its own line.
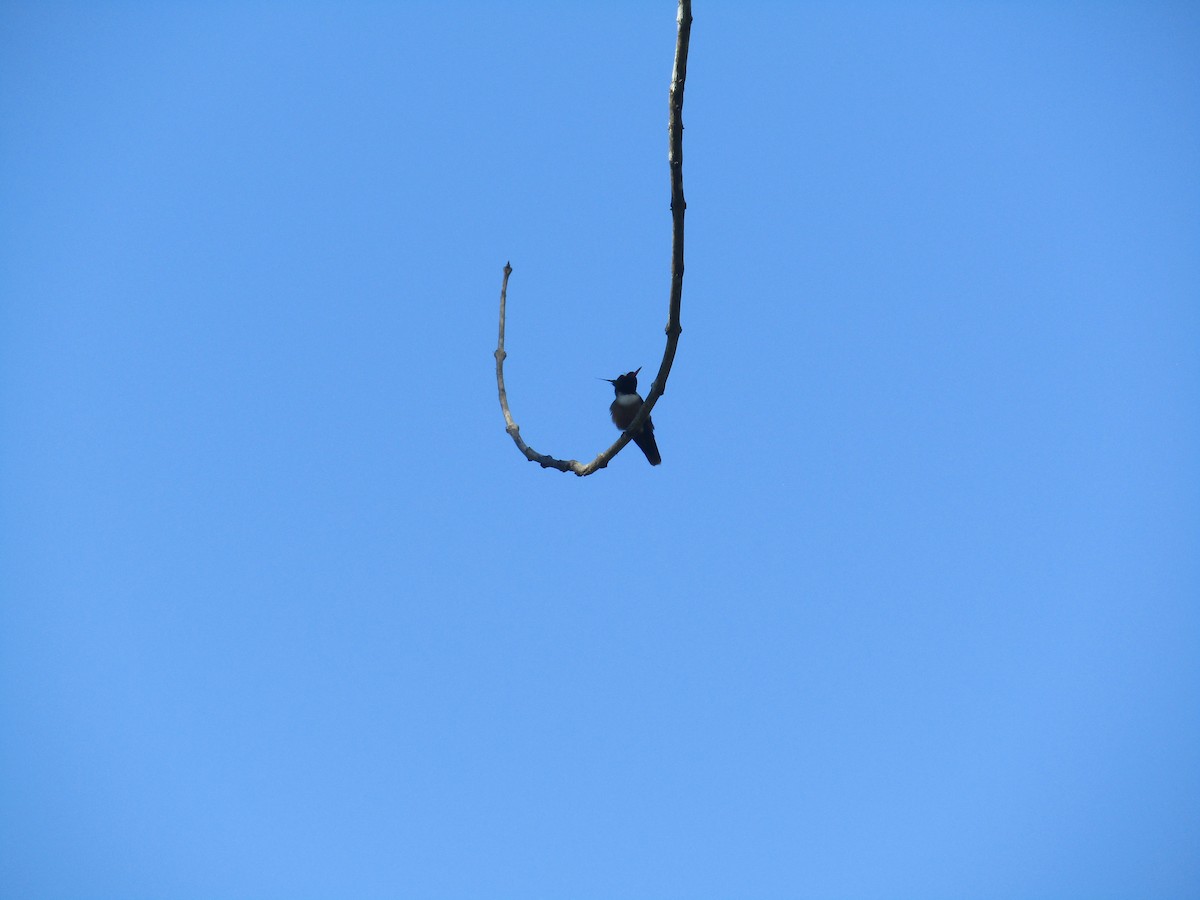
<point>626,406</point>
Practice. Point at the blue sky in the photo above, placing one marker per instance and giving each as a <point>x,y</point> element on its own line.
<point>910,608</point>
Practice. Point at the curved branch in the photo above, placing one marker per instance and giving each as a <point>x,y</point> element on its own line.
<point>547,462</point>
<point>673,330</point>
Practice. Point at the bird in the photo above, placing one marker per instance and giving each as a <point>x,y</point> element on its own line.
<point>626,407</point>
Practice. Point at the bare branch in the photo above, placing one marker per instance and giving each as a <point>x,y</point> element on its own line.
<point>547,462</point>
<point>673,330</point>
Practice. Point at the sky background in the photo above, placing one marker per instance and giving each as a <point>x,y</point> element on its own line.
<point>911,607</point>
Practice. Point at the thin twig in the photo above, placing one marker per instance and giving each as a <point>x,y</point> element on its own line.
<point>510,426</point>
<point>678,206</point>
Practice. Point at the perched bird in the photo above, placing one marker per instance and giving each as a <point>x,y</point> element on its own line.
<point>626,406</point>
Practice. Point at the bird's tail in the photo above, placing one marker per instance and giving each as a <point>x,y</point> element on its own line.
<point>645,441</point>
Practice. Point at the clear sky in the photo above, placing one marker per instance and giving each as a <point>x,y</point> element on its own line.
<point>911,609</point>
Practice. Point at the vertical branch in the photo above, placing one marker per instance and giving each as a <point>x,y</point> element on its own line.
<point>678,206</point>
<point>501,354</point>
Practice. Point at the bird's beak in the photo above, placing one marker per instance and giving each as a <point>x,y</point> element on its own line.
<point>639,368</point>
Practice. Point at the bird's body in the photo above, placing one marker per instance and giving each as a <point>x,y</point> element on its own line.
<point>626,407</point>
